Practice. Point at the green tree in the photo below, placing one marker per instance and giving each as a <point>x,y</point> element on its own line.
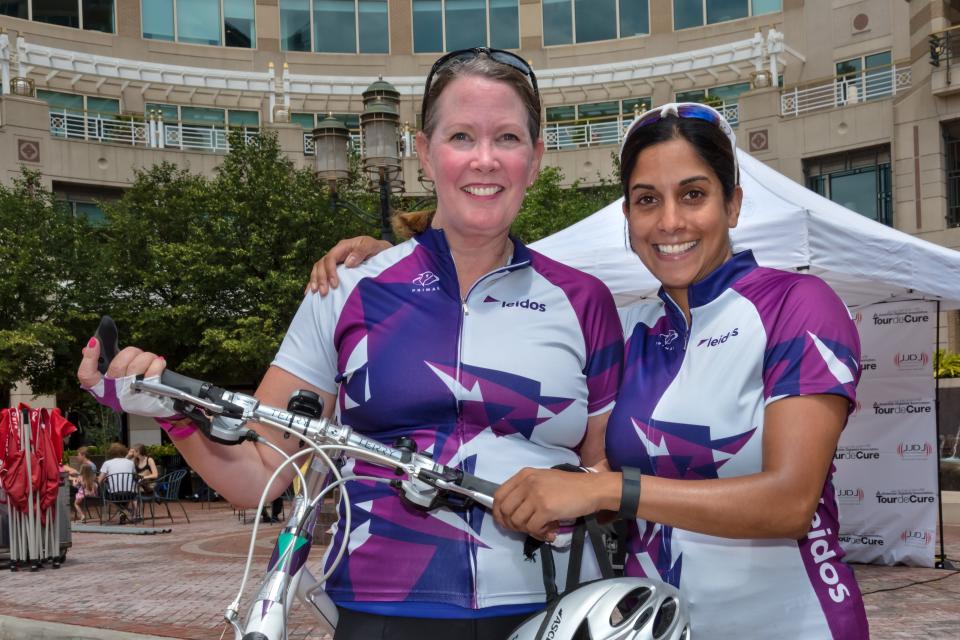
<point>208,272</point>
<point>47,264</point>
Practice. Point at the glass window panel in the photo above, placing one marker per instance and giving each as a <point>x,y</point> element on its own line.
<point>856,191</point>
<point>599,110</point>
<point>730,93</point>
<point>295,25</point>
<point>334,26</point>
<point>559,114</point>
<point>634,18</point>
<point>641,104</point>
<point>723,10</point>
<point>14,9</point>
<point>848,67</point>
<point>238,23</point>
<point>697,95</point>
<point>466,24</point>
<point>427,26</point>
<point>557,22</point>
<point>62,12</point>
<point>766,6</point>
<point>350,120</point>
<point>58,100</point>
<point>504,24</point>
<point>596,20</point>
<point>373,23</point>
<point>103,105</point>
<point>305,120</point>
<point>98,15</point>
<point>91,211</point>
<point>156,18</point>
<point>881,59</point>
<point>238,118</point>
<point>202,115</point>
<point>687,13</point>
<point>198,21</point>
<point>168,111</point>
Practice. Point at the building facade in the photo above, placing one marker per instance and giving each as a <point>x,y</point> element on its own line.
<point>840,95</point>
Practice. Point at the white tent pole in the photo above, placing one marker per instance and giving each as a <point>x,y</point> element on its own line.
<point>31,540</point>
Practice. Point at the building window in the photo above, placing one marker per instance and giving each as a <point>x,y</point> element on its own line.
<point>696,13</point>
<point>951,142</point>
<point>213,22</point>
<point>204,116</point>
<point>84,200</point>
<point>92,15</point>
<point>576,21</point>
<point>334,26</point>
<point>448,25</point>
<point>865,78</point>
<point>858,180</point>
<point>78,116</point>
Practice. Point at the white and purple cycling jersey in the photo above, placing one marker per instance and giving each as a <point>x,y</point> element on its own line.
<point>501,380</point>
<point>691,406</point>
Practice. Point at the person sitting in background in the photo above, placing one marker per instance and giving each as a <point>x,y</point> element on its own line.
<point>86,487</point>
<point>82,459</point>
<point>145,466</point>
<point>117,463</point>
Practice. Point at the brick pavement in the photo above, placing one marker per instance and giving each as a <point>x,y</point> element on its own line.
<point>178,584</point>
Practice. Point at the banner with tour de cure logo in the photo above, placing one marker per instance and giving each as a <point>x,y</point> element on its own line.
<point>886,479</point>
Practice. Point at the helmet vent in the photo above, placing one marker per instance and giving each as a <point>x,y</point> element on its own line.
<point>665,618</point>
<point>628,606</point>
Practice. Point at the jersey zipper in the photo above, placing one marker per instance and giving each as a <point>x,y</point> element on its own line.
<point>687,328</point>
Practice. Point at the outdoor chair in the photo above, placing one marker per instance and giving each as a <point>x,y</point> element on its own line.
<point>166,489</point>
<point>120,496</point>
<point>90,503</point>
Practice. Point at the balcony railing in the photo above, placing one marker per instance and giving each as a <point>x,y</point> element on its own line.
<point>150,133</point>
<point>576,134</point>
<point>868,85</point>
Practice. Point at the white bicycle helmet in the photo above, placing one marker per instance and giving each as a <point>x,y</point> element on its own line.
<point>612,609</point>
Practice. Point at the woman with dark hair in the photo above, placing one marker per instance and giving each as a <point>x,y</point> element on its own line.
<point>490,356</point>
<point>740,378</point>
<point>145,465</point>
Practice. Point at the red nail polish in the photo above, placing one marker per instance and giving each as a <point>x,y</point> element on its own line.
<point>92,343</point>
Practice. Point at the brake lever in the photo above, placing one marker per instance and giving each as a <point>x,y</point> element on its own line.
<point>159,389</point>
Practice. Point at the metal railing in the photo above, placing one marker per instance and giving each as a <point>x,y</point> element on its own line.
<point>153,133</point>
<point>871,84</point>
<point>953,180</point>
<point>575,134</point>
<point>945,49</point>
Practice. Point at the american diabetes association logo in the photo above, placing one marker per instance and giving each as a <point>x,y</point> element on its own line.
<point>857,452</point>
<point>917,537</point>
<point>862,539</point>
<point>905,496</point>
<point>903,407</point>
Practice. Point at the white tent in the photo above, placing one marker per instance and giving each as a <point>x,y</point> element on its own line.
<point>868,265</point>
<point>788,227</point>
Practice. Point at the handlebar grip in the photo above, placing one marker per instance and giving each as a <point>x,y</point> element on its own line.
<point>479,485</point>
<point>108,338</point>
<point>184,383</point>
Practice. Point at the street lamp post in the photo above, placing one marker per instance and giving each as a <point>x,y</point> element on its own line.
<point>380,152</point>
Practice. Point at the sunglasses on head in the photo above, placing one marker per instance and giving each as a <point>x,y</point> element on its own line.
<point>687,110</point>
<point>464,55</point>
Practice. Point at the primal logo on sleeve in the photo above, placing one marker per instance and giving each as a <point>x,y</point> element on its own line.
<point>426,281</point>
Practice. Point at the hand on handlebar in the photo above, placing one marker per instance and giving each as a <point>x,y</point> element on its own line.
<point>535,501</point>
<point>351,252</point>
<point>113,389</point>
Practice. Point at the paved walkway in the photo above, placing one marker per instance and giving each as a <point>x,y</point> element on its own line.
<point>178,585</point>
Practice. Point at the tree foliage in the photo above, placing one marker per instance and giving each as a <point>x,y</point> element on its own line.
<point>204,271</point>
<point>45,267</point>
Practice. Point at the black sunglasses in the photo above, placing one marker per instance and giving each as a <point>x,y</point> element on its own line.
<point>463,55</point>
